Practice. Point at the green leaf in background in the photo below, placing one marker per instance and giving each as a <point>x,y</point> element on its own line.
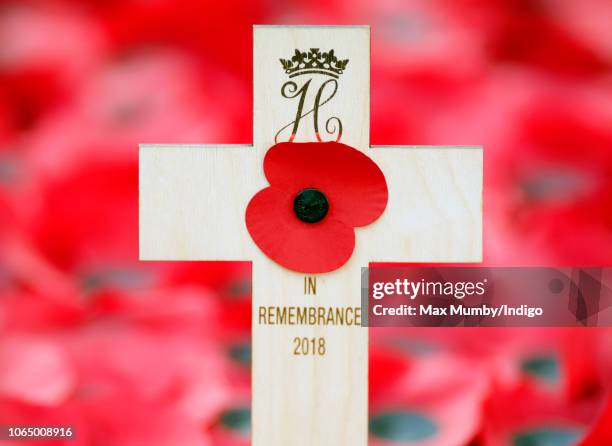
<point>402,426</point>
<point>237,419</point>
<point>241,353</point>
<point>416,347</point>
<point>546,368</point>
<point>548,437</point>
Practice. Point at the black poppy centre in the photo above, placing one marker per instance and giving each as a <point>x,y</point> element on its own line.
<point>310,205</point>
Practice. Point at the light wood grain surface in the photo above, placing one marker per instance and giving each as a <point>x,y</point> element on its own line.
<point>192,204</point>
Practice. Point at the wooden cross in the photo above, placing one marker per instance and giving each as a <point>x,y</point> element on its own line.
<point>192,207</point>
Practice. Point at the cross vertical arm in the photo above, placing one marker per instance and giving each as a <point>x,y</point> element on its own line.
<point>309,397</point>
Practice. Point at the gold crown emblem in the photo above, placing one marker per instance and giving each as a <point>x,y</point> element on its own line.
<point>314,62</point>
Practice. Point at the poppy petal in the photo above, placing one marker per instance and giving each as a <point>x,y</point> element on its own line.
<point>304,247</point>
<point>353,183</point>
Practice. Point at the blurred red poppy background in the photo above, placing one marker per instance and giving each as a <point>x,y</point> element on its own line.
<point>134,353</point>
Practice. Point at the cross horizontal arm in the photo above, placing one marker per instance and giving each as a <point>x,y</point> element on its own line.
<point>434,212</point>
<point>192,201</point>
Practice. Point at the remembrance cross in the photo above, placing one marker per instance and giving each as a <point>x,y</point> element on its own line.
<point>310,354</point>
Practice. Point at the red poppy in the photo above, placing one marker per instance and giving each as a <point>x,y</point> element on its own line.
<point>437,402</point>
<point>601,432</point>
<point>527,415</point>
<point>318,193</point>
